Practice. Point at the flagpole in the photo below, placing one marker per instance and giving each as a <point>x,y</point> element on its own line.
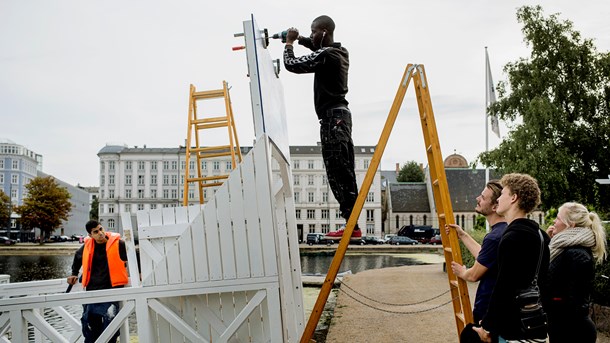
<point>486,121</point>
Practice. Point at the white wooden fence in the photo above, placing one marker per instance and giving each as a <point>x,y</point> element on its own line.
<point>227,271</point>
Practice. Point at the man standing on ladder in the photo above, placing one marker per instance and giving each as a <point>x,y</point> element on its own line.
<point>485,267</point>
<point>330,63</point>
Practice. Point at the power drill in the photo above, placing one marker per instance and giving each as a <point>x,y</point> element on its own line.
<point>281,35</point>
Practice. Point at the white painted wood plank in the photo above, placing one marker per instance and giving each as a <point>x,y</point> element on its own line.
<point>253,231</point>
<point>227,248</point>
<point>117,322</point>
<point>272,304</point>
<point>132,259</point>
<point>240,300</point>
<point>216,309</point>
<point>256,320</point>
<point>160,267</point>
<point>160,231</point>
<point>200,250</point>
<point>182,215</point>
<point>175,304</point>
<point>228,310</point>
<point>143,218</point>
<point>176,321</point>
<point>156,217</point>
<point>146,262</point>
<point>242,315</point>
<point>187,265</point>
<point>189,314</point>
<point>236,195</point>
<point>212,240</point>
<point>172,251</point>
<point>38,321</point>
<point>264,198</point>
<point>204,327</point>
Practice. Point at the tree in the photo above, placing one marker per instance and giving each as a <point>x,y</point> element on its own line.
<point>410,172</point>
<point>5,208</point>
<point>557,105</point>
<point>45,206</point>
<point>95,207</point>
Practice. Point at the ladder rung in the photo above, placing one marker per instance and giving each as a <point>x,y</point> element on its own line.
<point>211,126</point>
<point>454,283</point>
<point>429,148</point>
<point>207,178</point>
<point>209,94</point>
<point>216,154</point>
<point>211,148</point>
<point>209,120</point>
<point>460,316</point>
<point>435,182</point>
<point>441,215</point>
<point>448,250</point>
<point>212,184</point>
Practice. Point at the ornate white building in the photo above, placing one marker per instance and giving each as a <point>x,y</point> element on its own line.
<point>141,178</point>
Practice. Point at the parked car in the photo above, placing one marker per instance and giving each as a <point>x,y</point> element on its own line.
<point>402,240</point>
<point>7,241</point>
<point>387,237</point>
<point>76,238</point>
<point>372,240</point>
<point>318,238</point>
<point>57,238</point>
<point>357,241</point>
<point>435,240</point>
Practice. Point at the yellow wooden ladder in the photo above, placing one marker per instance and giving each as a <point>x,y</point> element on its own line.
<point>197,124</point>
<point>459,290</point>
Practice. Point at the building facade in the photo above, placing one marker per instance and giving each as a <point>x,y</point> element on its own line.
<point>133,178</point>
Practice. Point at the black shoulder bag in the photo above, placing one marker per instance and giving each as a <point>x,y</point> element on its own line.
<point>532,314</point>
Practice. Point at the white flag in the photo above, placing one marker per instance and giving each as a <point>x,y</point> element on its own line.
<point>490,96</point>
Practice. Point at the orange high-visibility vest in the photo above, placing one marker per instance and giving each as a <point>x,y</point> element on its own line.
<point>116,266</point>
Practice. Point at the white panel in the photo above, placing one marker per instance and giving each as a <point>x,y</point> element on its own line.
<point>172,253</point>
<point>264,197</point>
<point>161,231</point>
<point>227,248</point>
<point>187,264</point>
<point>146,263</point>
<point>256,321</point>
<point>240,300</point>
<point>200,250</point>
<point>160,268</point>
<point>212,240</point>
<point>156,217</point>
<point>239,223</point>
<point>251,212</point>
<point>228,309</point>
<point>143,218</point>
<point>215,308</point>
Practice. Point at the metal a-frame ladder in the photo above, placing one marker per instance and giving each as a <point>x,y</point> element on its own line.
<point>195,125</point>
<point>459,290</point>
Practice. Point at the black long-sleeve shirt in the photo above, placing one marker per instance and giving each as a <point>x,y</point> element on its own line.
<point>330,66</point>
<point>100,273</point>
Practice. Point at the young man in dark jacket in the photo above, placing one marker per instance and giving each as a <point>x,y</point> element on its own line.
<point>330,63</point>
<point>518,255</point>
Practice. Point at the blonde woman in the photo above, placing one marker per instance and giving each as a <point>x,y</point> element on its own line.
<point>578,243</point>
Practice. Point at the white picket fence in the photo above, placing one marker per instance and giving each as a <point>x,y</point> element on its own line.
<point>227,271</point>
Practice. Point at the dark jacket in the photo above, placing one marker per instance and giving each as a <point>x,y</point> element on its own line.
<point>570,281</point>
<point>330,66</point>
<point>518,254</point>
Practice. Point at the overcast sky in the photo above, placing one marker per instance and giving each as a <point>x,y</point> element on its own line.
<point>76,75</point>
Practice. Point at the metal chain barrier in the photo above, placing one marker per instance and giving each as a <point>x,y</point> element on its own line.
<point>384,303</point>
<point>397,312</point>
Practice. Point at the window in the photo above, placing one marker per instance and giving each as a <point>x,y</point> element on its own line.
<point>310,180</point>
<point>204,165</point>
<point>128,193</point>
<point>111,223</point>
<point>14,179</point>
<point>153,193</point>
<point>297,180</point>
<point>110,208</point>
<point>370,229</point>
<point>370,197</point>
<point>311,214</point>
<point>370,215</point>
<point>111,165</point>
<point>310,164</point>
<point>216,165</point>
<point>338,227</point>
<point>140,180</point>
<point>14,194</point>
<point>310,197</point>
<point>153,206</point>
<point>174,180</point>
<point>191,165</point>
<point>182,165</point>
<point>324,196</point>
<point>1,178</point>
<point>165,180</point>
<point>165,194</point>
<point>127,207</point>
<point>111,180</point>
<point>102,195</point>
<point>397,222</point>
<point>2,164</point>
<point>141,165</point>
<point>338,214</point>
<point>140,194</point>
<point>296,164</point>
<point>324,180</point>
<point>174,194</point>
<point>128,180</point>
<point>140,207</point>
<point>298,213</point>
<point>165,165</point>
<point>174,165</point>
<point>127,165</point>
<point>153,165</point>
<point>312,228</point>
<point>324,214</point>
<point>366,164</point>
<point>297,197</point>
<point>15,165</point>
<point>191,193</point>
<point>325,228</point>
<point>102,180</point>
<point>153,180</point>
<point>229,165</point>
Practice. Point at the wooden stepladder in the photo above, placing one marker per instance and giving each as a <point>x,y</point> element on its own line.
<point>459,290</point>
<point>197,124</point>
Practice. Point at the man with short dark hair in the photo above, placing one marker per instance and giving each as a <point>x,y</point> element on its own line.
<point>329,62</point>
<point>484,269</point>
<point>102,258</point>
